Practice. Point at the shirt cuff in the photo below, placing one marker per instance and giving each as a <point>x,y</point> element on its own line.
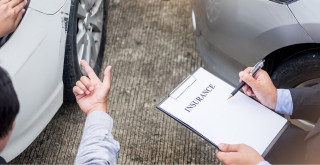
<point>264,163</point>
<point>98,117</point>
<point>284,102</point>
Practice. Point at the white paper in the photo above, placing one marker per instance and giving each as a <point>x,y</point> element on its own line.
<point>234,121</point>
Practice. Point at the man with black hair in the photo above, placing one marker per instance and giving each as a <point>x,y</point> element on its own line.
<point>9,108</point>
<point>97,145</point>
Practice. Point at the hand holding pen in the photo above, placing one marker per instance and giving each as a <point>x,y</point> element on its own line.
<point>259,86</point>
<point>255,69</point>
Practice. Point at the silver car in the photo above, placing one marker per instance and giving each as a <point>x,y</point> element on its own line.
<point>234,34</point>
<point>42,58</point>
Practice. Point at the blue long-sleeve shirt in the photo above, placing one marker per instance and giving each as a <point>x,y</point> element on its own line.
<point>284,102</point>
<point>97,144</point>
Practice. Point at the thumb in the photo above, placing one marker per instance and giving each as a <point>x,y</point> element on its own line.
<point>222,156</point>
<point>228,147</point>
<point>227,157</point>
<point>248,79</point>
<point>19,17</point>
<point>107,77</point>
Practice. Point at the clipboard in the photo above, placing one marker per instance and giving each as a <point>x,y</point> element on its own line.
<point>211,91</point>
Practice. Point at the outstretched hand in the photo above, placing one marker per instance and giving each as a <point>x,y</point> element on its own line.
<point>238,154</point>
<point>260,87</point>
<point>11,12</point>
<point>91,94</point>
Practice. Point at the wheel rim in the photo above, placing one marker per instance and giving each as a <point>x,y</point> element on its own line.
<point>309,83</point>
<point>90,27</point>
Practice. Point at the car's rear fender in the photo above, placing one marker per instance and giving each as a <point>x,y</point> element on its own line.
<point>307,13</point>
<point>47,6</point>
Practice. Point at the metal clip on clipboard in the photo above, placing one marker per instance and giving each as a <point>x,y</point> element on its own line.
<point>182,87</point>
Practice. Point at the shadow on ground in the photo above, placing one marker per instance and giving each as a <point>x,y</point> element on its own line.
<point>151,46</point>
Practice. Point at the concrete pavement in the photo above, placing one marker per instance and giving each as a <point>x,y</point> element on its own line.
<point>151,46</point>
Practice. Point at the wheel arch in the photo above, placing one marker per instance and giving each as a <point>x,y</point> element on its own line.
<point>277,57</point>
<point>298,56</point>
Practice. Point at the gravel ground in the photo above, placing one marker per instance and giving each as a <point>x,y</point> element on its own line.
<point>151,46</point>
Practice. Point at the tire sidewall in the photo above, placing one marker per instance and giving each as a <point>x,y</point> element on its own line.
<point>97,66</point>
<point>302,67</point>
<point>73,24</point>
<point>72,72</point>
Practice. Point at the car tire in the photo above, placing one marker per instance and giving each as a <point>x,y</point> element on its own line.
<point>303,69</point>
<point>81,33</point>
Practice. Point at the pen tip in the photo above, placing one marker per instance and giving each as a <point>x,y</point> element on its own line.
<point>229,97</point>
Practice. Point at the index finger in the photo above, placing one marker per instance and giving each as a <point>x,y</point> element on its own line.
<point>92,75</point>
<point>20,6</point>
<point>14,3</point>
<point>248,69</point>
<point>229,147</point>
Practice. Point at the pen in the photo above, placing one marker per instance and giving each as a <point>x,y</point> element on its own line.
<point>255,69</point>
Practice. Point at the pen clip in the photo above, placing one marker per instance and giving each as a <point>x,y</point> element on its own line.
<point>256,67</point>
<point>257,64</point>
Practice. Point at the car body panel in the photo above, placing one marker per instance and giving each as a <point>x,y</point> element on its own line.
<point>233,34</point>
<point>47,6</point>
<point>307,12</point>
<point>34,56</point>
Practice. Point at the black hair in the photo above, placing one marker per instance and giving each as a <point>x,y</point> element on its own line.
<point>9,104</point>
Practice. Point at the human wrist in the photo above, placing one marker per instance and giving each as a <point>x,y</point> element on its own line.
<point>271,99</point>
<point>274,97</point>
<point>98,107</point>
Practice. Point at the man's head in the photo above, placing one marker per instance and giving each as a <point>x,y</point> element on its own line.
<point>9,107</point>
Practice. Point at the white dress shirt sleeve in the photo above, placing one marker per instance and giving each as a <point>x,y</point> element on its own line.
<point>97,145</point>
<point>263,163</point>
<point>284,102</point>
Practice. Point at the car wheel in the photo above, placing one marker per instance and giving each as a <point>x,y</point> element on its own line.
<point>86,39</point>
<point>302,70</point>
